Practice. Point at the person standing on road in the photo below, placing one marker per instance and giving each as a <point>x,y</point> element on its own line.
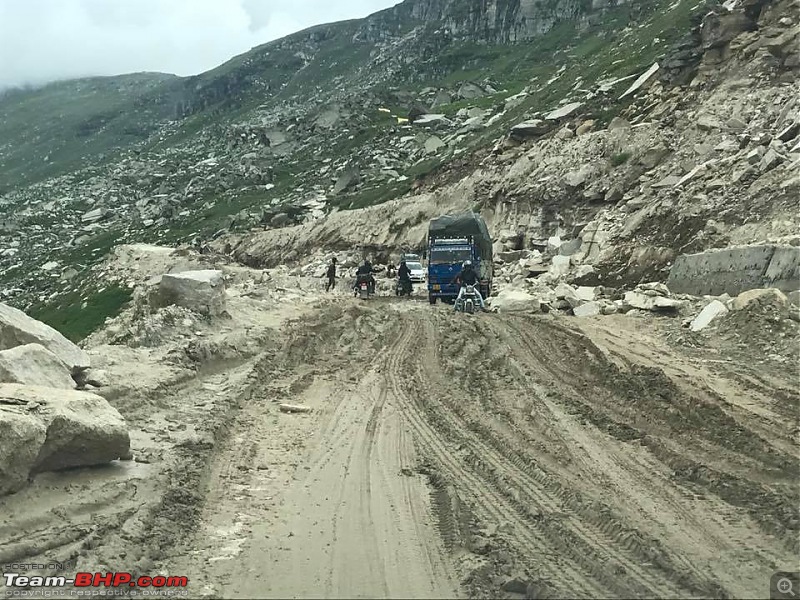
<point>331,275</point>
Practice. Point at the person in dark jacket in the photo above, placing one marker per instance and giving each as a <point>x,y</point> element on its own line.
<point>331,276</point>
<point>365,270</point>
<point>468,276</point>
<point>404,275</point>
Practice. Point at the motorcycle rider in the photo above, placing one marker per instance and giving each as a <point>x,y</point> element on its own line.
<point>468,276</point>
<point>404,275</point>
<point>365,270</point>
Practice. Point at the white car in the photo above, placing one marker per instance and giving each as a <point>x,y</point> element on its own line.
<point>417,272</point>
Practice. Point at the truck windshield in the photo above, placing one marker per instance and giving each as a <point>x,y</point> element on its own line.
<point>449,255</point>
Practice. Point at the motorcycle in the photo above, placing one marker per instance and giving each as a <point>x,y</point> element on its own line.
<point>403,287</point>
<point>468,301</point>
<point>363,288</point>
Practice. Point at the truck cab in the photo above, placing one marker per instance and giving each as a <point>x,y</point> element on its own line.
<point>445,258</point>
<point>453,239</point>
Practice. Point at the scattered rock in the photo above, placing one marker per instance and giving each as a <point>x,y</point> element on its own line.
<point>614,194</point>
<point>565,133</point>
<point>577,178</point>
<point>566,292</point>
<point>589,309</point>
<point>654,157</point>
<point>530,129</point>
<point>618,123</point>
<point>294,408</point>
<point>433,144</point>
<point>755,155</point>
<point>563,111</point>
<point>560,265</point>
<point>346,180</point>
<point>736,124</point>
<point>584,127</point>
<point>586,293</point>
<point>657,287</point>
<point>710,312</point>
<point>668,182</point>
<point>708,122</point>
<point>94,215</point>
<point>652,303</point>
<point>640,81</point>
<point>770,160</point>
<point>789,132</point>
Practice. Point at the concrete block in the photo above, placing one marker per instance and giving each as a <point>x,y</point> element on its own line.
<point>734,270</point>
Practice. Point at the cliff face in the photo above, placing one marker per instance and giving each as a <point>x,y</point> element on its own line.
<point>494,21</point>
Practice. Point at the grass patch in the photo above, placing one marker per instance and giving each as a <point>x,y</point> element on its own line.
<point>75,317</point>
<point>620,159</point>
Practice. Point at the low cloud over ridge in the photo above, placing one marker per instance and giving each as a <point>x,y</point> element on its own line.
<point>47,40</point>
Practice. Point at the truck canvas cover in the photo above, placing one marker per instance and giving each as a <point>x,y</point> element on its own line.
<point>462,225</point>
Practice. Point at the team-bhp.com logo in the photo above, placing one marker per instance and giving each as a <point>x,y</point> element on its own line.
<point>96,580</point>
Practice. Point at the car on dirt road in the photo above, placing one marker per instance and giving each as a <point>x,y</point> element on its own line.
<point>417,274</point>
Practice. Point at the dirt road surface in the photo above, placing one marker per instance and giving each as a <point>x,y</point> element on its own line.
<point>451,456</point>
<point>444,456</point>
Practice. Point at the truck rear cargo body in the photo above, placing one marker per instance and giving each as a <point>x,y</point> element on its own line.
<point>452,239</point>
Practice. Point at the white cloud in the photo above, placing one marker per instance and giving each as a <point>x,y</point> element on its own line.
<point>44,40</point>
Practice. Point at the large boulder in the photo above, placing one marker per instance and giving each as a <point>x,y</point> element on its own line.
<point>515,300</point>
<point>760,295</point>
<point>33,364</point>
<point>81,429</point>
<point>200,291</point>
<point>21,438</point>
<point>18,329</point>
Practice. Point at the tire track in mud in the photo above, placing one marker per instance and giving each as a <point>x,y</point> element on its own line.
<point>346,520</point>
<point>597,539</point>
<point>606,530</point>
<point>488,501</point>
<point>727,479</point>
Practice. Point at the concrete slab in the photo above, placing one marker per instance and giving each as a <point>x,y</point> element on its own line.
<point>734,270</point>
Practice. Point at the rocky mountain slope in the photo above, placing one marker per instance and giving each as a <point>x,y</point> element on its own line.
<point>430,104</point>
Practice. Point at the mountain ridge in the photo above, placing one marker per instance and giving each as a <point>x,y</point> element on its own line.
<point>298,129</point>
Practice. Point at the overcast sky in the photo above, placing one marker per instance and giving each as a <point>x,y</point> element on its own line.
<point>44,40</point>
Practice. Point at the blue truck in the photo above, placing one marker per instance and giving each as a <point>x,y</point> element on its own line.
<point>452,239</point>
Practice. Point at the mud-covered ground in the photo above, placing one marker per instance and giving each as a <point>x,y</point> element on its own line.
<point>446,456</point>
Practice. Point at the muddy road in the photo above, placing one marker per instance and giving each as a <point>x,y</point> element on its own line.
<point>497,455</point>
